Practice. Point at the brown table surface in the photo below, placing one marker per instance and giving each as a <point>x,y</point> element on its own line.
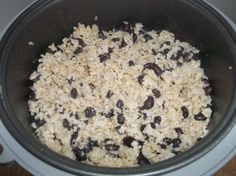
<point>16,170</point>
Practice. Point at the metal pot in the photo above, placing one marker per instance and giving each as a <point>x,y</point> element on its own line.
<point>46,21</point>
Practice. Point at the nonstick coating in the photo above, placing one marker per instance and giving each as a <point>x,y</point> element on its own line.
<point>49,21</point>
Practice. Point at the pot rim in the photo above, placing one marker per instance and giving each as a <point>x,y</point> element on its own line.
<point>68,165</point>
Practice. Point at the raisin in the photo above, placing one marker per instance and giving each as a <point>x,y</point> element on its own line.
<point>110,50</point>
<point>90,112</point>
<point>109,94</point>
<point>157,120</point>
<point>78,50</point>
<point>156,93</point>
<point>142,160</point>
<point>200,117</point>
<point>120,104</point>
<point>166,51</point>
<point>74,93</point>
<point>81,42</point>
<point>185,112</point>
<point>39,122</point>
<point>148,103</point>
<point>90,145</point>
<point>127,141</point>
<point>112,147</point>
<point>120,119</point>
<point>104,57</point>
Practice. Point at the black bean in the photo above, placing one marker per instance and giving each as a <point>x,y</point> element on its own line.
<point>157,120</point>
<point>125,27</point>
<point>154,52</point>
<point>148,103</point>
<point>186,55</point>
<point>176,142</point>
<point>156,93</point>
<point>80,154</point>
<point>166,51</point>
<point>205,81</point>
<point>66,123</point>
<point>123,44</point>
<point>127,141</point>
<point>196,56</point>
<point>39,122</point>
<point>107,139</point>
<point>142,160</point>
<point>141,79</point>
<point>141,32</point>
<point>152,66</point>
<point>104,57</point>
<point>120,104</point>
<point>78,50</point>
<point>185,112</point>
<point>145,116</point>
<point>147,37</point>
<point>90,112</point>
<point>176,152</point>
<point>74,137</point>
<point>92,86</point>
<point>32,95</point>
<point>76,116</point>
<point>120,119</point>
<point>74,93</point>
<point>70,81</point>
<point>142,127</point>
<point>134,37</point>
<point>112,147</point>
<point>200,117</point>
<point>179,131</point>
<point>109,94</point>
<point>101,35</point>
<point>110,114</point>
<point>208,90</point>
<point>167,140</point>
<point>90,145</point>
<point>110,50</point>
<point>131,63</point>
<point>115,39</point>
<point>81,42</point>
<point>118,128</point>
<point>163,146</point>
<point>153,125</point>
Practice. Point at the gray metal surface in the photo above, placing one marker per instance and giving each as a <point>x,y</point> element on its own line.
<point>205,166</point>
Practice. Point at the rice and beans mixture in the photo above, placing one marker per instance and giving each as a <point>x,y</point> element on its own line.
<point>120,98</point>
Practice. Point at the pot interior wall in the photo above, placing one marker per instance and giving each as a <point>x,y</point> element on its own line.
<point>55,21</point>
